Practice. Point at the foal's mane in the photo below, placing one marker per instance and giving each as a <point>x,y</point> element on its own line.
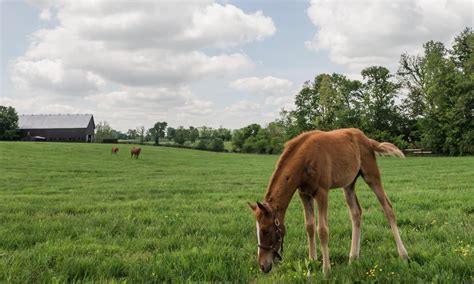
<point>290,148</point>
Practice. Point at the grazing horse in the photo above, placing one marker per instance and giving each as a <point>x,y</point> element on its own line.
<point>135,151</point>
<point>114,150</point>
<point>315,162</point>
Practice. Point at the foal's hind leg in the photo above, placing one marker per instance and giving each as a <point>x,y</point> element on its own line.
<point>356,216</point>
<point>308,204</point>
<point>371,176</point>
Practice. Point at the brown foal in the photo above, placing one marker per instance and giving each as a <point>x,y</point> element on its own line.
<point>135,151</point>
<point>315,162</point>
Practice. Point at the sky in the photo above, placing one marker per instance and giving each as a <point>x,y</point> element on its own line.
<point>205,62</point>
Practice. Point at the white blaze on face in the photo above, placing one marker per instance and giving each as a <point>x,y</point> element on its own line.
<point>258,237</point>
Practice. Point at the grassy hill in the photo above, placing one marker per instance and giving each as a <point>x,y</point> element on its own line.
<point>75,212</point>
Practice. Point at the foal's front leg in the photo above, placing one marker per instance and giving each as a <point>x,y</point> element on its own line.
<point>323,229</point>
<point>308,204</point>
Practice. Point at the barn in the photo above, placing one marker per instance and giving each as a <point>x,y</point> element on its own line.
<point>57,127</point>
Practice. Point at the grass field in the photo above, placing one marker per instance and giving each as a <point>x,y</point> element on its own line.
<point>75,212</point>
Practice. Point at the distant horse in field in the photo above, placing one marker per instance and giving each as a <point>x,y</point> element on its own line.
<point>114,150</point>
<point>135,151</point>
<point>315,162</point>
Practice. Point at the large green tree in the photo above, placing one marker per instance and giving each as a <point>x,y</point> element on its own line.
<point>379,115</point>
<point>193,134</point>
<point>307,105</point>
<point>440,99</point>
<point>264,140</point>
<point>277,136</point>
<point>158,131</point>
<point>327,103</point>
<point>338,100</point>
<point>412,76</point>
<point>223,133</point>
<point>170,133</point>
<point>240,136</point>
<point>462,114</point>
<point>435,88</point>
<point>181,135</point>
<point>8,123</point>
<point>141,133</point>
<point>104,131</point>
<point>132,134</point>
<point>205,132</point>
<point>217,144</point>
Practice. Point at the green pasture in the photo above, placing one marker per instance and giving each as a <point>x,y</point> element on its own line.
<point>74,212</point>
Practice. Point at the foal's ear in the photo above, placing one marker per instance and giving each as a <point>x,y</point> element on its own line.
<point>263,208</point>
<point>252,206</point>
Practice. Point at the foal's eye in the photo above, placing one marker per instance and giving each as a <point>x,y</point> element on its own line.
<point>265,232</point>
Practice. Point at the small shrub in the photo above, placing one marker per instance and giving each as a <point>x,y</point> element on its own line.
<point>203,144</point>
<point>217,145</point>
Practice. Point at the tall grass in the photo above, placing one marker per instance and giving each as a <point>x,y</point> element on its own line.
<point>75,212</point>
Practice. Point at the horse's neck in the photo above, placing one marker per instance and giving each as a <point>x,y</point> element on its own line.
<point>279,195</point>
<point>286,178</point>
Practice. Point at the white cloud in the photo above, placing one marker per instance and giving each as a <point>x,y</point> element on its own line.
<point>363,32</point>
<point>51,76</point>
<point>242,108</point>
<point>245,112</point>
<point>266,86</point>
<point>224,26</point>
<point>43,105</point>
<point>278,93</point>
<point>146,105</point>
<point>134,60</point>
<point>195,107</point>
<point>141,98</point>
<point>59,108</point>
<point>149,43</point>
<point>286,102</point>
<point>45,14</point>
<point>186,25</point>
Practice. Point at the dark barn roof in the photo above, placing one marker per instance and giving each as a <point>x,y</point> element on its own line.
<point>55,121</point>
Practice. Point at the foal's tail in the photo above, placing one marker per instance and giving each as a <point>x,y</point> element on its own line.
<point>386,148</point>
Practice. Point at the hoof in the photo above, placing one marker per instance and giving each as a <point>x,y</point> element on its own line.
<point>327,272</point>
<point>353,259</point>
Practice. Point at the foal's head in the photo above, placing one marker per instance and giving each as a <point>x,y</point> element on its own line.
<point>270,235</point>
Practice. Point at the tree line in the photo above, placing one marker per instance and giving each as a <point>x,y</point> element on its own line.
<point>202,138</point>
<point>428,103</point>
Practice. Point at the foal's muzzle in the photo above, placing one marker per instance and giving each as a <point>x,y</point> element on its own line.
<point>266,269</point>
<point>271,248</point>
